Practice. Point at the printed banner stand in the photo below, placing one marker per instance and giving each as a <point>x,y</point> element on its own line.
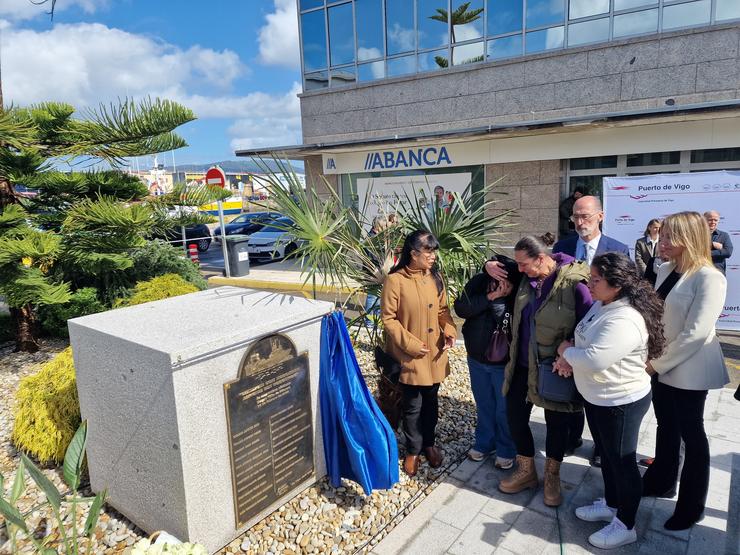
<point>631,202</point>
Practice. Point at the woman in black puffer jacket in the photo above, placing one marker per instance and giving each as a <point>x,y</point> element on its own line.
<point>486,304</point>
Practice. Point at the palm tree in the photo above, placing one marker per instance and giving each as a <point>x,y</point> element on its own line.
<point>461,16</point>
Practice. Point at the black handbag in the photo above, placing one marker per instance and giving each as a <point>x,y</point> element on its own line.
<point>551,386</point>
<point>388,365</point>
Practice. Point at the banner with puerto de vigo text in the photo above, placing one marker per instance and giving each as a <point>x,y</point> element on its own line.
<point>631,202</point>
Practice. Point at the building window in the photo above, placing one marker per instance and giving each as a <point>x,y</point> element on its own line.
<point>438,34</point>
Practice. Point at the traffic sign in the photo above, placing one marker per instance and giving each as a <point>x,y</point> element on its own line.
<point>216,176</point>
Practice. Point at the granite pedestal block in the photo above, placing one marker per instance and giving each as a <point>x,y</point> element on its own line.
<point>154,385</point>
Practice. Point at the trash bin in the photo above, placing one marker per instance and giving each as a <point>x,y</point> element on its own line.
<point>236,247</point>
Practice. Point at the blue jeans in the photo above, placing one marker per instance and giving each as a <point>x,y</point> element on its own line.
<point>492,429</point>
<point>372,305</point>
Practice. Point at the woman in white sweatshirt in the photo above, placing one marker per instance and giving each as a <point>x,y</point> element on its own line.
<point>613,341</point>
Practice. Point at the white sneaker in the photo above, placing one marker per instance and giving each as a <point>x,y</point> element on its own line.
<point>596,511</point>
<point>477,456</point>
<point>503,463</point>
<point>614,534</point>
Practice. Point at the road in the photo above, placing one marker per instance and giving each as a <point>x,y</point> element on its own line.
<point>212,262</point>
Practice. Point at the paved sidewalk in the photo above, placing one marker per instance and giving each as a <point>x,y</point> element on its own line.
<point>467,515</point>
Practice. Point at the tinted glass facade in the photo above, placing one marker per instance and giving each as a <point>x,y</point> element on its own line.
<point>364,40</point>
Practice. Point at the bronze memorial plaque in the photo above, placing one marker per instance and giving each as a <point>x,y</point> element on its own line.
<point>268,411</point>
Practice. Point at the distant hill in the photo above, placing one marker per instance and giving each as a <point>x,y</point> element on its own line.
<point>233,166</point>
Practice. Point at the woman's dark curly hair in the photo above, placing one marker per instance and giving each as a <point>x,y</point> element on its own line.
<point>620,271</point>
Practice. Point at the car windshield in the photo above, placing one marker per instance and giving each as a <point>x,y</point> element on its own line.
<point>278,226</point>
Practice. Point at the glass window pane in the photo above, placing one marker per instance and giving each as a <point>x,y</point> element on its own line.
<point>371,71</point>
<point>728,9</point>
<point>715,155</point>
<point>547,39</point>
<point>545,12</point>
<point>467,24</point>
<point>399,16</point>
<point>507,47</point>
<point>592,184</point>
<point>594,163</point>
<point>369,15</point>
<point>432,21</point>
<point>686,15</point>
<point>653,158</point>
<point>308,4</point>
<point>585,8</point>
<point>636,23</point>
<point>341,35</point>
<point>432,61</point>
<point>627,4</point>
<point>468,54</point>
<point>401,66</point>
<point>318,80</point>
<point>343,76</point>
<point>504,16</point>
<point>586,32</point>
<point>313,30</point>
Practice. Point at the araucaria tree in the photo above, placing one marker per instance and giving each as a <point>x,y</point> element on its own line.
<point>80,227</point>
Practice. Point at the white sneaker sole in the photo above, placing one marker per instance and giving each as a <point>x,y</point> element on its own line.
<point>626,541</point>
<point>593,518</point>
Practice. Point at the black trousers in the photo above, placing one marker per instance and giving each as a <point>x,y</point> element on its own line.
<point>518,410</point>
<point>680,416</point>
<point>616,430</point>
<point>575,431</point>
<point>420,414</point>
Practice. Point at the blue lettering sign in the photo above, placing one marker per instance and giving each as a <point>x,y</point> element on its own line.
<point>330,164</point>
<point>409,158</point>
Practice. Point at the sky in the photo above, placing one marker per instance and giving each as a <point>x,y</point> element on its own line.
<point>235,63</point>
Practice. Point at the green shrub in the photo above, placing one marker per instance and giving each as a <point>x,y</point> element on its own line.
<point>54,317</point>
<point>157,258</point>
<point>155,289</point>
<point>47,413</point>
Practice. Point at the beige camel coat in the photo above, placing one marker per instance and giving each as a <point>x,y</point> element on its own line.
<point>414,315</point>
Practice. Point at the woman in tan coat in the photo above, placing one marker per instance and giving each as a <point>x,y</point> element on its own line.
<point>419,330</point>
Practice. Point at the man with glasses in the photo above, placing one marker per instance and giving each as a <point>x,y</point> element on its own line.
<point>721,243</point>
<point>585,245</point>
<point>588,241</point>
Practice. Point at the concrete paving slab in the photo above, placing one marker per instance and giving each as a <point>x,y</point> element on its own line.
<point>461,508</point>
<point>529,534</point>
<point>480,537</point>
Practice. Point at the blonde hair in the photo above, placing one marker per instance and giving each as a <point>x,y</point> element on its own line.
<point>689,230</point>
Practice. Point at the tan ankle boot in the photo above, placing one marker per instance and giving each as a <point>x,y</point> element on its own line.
<point>552,496</point>
<point>525,476</point>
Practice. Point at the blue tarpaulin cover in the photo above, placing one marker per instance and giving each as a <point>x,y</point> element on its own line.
<point>358,441</point>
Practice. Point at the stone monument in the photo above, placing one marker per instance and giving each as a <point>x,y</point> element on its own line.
<point>202,410</point>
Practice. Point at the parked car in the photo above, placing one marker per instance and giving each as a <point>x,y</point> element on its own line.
<point>200,234</point>
<point>246,224</point>
<point>272,242</point>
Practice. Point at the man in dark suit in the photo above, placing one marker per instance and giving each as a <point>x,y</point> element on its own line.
<point>585,245</point>
<point>721,243</point>
<point>588,241</point>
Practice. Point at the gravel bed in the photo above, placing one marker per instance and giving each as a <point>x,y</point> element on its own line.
<point>320,519</point>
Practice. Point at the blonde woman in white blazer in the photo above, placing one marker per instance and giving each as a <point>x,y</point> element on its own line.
<point>694,292</point>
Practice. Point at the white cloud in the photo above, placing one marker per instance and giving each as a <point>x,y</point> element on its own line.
<point>278,38</point>
<point>24,9</point>
<point>85,64</point>
<point>268,120</point>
